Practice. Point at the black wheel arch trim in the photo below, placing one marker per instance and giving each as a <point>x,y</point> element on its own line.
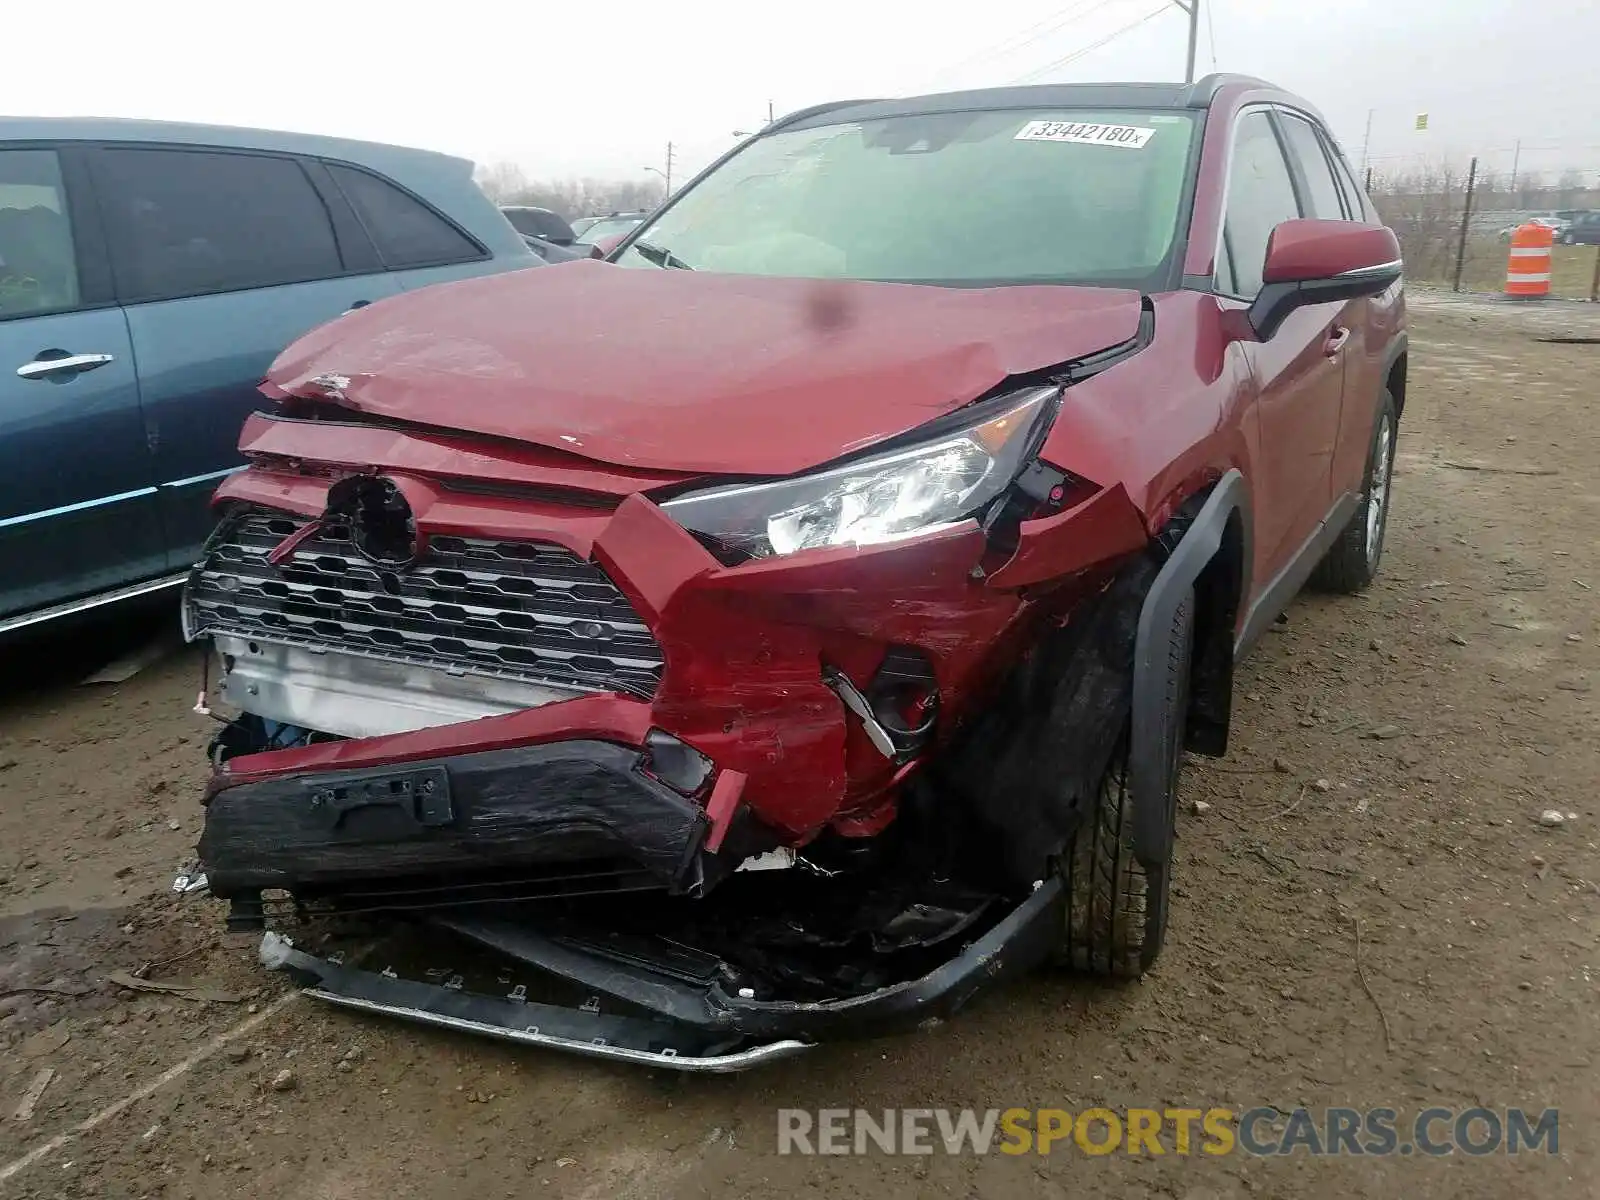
<point>1397,349</point>
<point>1152,833</point>
<point>1398,345</point>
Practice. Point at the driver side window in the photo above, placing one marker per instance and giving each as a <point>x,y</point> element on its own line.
<point>1260,196</point>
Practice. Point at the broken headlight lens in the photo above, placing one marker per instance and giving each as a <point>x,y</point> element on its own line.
<point>911,491</point>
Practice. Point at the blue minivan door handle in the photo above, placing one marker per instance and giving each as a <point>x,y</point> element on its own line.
<point>66,365</point>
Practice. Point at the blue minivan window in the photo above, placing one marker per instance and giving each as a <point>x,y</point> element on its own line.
<point>38,272</point>
<point>189,222</point>
<point>406,232</point>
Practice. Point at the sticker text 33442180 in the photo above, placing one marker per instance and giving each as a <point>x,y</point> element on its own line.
<point>1129,137</point>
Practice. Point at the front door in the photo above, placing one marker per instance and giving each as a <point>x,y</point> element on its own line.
<point>1299,370</point>
<point>78,514</point>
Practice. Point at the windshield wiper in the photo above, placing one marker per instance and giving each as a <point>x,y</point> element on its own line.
<point>660,255</point>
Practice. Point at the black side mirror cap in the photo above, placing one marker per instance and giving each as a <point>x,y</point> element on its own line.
<point>1275,301</point>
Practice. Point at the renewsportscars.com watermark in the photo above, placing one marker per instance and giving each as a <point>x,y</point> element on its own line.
<point>1160,1131</point>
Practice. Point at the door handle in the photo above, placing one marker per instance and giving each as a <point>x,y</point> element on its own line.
<point>71,364</point>
<point>1337,337</point>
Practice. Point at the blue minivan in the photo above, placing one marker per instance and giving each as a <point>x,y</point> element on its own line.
<point>149,273</point>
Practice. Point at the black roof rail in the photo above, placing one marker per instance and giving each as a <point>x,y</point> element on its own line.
<point>815,110</point>
<point>1204,90</point>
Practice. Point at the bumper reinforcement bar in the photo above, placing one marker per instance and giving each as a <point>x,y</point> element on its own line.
<point>638,1040</point>
<point>683,1024</point>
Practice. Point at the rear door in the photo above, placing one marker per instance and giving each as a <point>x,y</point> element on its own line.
<point>78,513</point>
<point>1298,370</point>
<point>1372,320</point>
<point>221,258</point>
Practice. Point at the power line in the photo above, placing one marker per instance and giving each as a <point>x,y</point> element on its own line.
<point>1026,37</point>
<point>1068,59</point>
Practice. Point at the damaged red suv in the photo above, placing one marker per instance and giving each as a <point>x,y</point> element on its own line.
<point>796,621</point>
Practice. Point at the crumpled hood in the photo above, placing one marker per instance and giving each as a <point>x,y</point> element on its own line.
<point>686,371</point>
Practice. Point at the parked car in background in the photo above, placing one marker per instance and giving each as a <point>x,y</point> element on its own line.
<point>532,221</point>
<point>552,253</point>
<point>590,230</point>
<point>149,272</point>
<point>1583,230</point>
<point>1551,222</point>
<point>829,617</point>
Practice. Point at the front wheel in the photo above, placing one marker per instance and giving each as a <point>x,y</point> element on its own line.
<point>1116,905</point>
<point>1351,563</point>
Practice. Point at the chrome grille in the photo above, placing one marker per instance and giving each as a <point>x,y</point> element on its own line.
<point>519,610</point>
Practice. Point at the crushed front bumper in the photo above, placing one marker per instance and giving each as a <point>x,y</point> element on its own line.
<point>658,1013</point>
<point>520,808</point>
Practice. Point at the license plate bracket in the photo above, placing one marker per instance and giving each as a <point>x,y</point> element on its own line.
<point>416,799</point>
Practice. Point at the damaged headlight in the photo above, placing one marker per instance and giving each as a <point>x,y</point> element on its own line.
<point>915,490</point>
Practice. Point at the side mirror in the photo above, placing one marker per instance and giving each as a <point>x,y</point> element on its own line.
<point>1317,262</point>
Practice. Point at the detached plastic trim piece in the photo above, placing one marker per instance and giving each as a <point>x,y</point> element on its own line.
<point>642,1041</point>
<point>671,1060</point>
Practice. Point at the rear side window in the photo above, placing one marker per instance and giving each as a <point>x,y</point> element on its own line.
<point>38,271</point>
<point>1347,184</point>
<point>189,222</point>
<point>406,231</point>
<point>1323,197</point>
<point>1260,197</point>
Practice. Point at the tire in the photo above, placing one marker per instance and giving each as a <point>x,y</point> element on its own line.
<point>1351,563</point>
<point>1117,906</point>
<point>1568,240</point>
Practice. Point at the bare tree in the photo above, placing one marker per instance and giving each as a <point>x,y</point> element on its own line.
<point>1530,189</point>
<point>501,181</point>
<point>1423,207</point>
<point>505,183</point>
<point>1569,187</point>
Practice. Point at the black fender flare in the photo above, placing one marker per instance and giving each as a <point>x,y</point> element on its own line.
<point>1398,345</point>
<point>1152,832</point>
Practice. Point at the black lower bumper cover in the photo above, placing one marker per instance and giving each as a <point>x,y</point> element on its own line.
<point>684,1025</point>
<point>504,809</point>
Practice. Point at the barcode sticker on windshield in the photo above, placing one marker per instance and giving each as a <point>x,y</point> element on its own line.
<point>1129,137</point>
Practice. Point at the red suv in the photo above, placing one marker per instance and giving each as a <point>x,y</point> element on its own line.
<point>796,621</point>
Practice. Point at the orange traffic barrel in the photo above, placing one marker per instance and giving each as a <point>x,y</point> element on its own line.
<point>1528,268</point>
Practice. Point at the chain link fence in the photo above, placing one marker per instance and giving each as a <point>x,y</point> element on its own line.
<point>1454,223</point>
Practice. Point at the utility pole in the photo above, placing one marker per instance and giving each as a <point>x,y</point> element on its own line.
<point>667,174</point>
<point>771,117</point>
<point>1193,9</point>
<point>1366,145</point>
<point>1516,161</point>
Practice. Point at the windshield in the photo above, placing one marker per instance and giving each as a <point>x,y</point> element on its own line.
<point>606,227</point>
<point>1057,196</point>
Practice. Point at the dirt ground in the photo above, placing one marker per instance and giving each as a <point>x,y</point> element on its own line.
<point>1424,727</point>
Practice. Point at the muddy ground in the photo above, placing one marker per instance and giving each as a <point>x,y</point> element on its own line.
<point>1475,658</point>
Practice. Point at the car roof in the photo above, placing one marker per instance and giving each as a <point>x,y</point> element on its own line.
<point>1200,94</point>
<point>124,129</point>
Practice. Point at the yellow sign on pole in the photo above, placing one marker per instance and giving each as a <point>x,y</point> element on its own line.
<point>1422,120</point>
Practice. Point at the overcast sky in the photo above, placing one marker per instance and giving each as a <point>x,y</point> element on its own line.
<point>599,89</point>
